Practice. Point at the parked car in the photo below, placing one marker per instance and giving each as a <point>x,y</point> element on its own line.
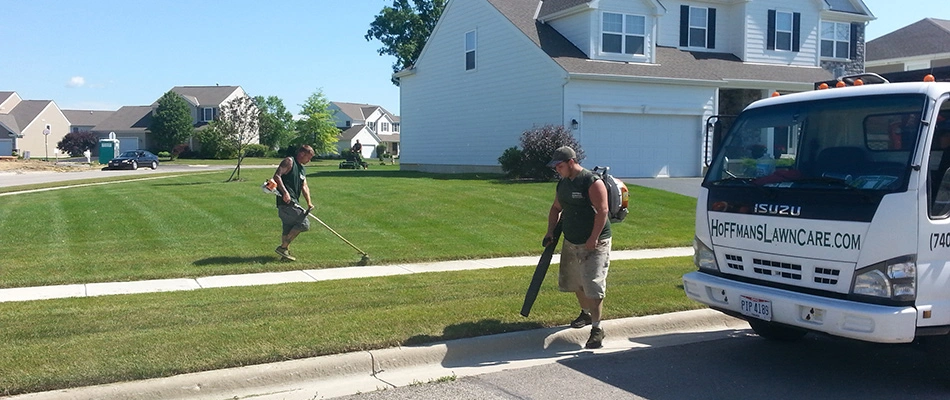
<point>134,159</point>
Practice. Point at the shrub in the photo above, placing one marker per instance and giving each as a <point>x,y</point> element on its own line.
<point>510,162</point>
<point>164,154</point>
<point>537,144</point>
<point>181,150</point>
<point>75,143</point>
<point>255,150</point>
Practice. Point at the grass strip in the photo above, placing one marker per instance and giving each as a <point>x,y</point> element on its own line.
<point>88,341</point>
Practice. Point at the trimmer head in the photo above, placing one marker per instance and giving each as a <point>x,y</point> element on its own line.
<point>364,260</point>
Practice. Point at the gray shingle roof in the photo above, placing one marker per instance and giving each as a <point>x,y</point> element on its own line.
<point>8,123</point>
<point>204,95</point>
<point>27,110</point>
<point>671,62</point>
<point>549,7</point>
<point>927,36</point>
<point>127,118</point>
<point>86,117</point>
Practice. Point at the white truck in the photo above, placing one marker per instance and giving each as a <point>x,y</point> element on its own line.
<point>829,211</point>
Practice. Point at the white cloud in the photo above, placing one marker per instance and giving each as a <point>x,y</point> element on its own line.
<point>76,81</point>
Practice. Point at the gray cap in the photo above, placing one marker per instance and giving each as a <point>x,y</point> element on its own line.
<point>562,154</point>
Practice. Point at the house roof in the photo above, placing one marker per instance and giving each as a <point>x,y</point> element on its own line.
<point>204,95</point>
<point>8,122</point>
<point>927,36</point>
<point>86,117</point>
<point>127,118</point>
<point>5,95</point>
<point>671,62</point>
<point>27,111</point>
<point>351,132</point>
<point>360,111</point>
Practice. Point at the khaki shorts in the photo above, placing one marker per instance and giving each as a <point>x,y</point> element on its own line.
<point>583,269</point>
<point>290,218</point>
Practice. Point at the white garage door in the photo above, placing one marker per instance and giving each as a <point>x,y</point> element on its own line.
<point>6,147</point>
<point>128,143</point>
<point>642,146</point>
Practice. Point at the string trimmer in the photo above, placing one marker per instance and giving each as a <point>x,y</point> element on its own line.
<point>270,186</point>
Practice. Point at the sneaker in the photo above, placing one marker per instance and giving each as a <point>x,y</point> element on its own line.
<point>596,339</point>
<point>581,320</point>
<point>285,253</point>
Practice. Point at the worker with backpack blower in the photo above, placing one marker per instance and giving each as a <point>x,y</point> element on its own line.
<point>291,180</point>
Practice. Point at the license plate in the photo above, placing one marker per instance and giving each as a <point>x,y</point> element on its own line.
<point>753,307</point>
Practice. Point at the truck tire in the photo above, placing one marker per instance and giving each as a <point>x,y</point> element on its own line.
<point>777,332</point>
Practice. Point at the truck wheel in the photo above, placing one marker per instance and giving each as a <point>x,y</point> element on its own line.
<point>777,332</point>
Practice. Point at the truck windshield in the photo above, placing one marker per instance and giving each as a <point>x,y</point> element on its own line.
<point>854,143</point>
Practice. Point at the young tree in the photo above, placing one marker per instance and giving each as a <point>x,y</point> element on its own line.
<point>237,126</point>
<point>317,127</point>
<point>404,28</point>
<point>171,123</point>
<point>276,123</point>
<point>75,143</point>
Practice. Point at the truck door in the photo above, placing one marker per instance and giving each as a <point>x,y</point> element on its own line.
<point>933,257</point>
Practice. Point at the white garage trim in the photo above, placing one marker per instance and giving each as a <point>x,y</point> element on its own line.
<point>643,109</point>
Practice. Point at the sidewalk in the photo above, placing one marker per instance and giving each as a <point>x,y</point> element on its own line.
<point>307,275</point>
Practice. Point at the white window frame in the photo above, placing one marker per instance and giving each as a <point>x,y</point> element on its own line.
<point>384,127</point>
<point>779,16</point>
<point>395,127</point>
<point>625,33</point>
<point>834,40</point>
<point>204,114</point>
<point>371,126</point>
<point>704,27</point>
<point>471,45</point>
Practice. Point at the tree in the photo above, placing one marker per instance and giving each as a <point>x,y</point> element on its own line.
<point>75,143</point>
<point>537,144</point>
<point>276,123</point>
<point>403,29</point>
<point>236,127</point>
<point>171,123</point>
<point>317,127</point>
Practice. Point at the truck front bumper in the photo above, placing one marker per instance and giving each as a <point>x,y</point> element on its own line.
<point>862,321</point>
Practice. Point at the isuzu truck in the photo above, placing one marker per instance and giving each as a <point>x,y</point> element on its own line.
<point>829,211</point>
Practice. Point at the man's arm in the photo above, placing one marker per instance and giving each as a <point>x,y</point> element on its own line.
<point>285,166</point>
<point>306,193</point>
<point>554,214</point>
<point>598,199</point>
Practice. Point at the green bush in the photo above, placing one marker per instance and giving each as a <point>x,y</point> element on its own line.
<point>510,162</point>
<point>164,154</point>
<point>255,150</point>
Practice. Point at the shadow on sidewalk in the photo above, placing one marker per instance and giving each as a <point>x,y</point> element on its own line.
<point>235,260</point>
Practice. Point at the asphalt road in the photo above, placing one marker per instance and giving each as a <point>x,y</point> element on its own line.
<point>30,178</point>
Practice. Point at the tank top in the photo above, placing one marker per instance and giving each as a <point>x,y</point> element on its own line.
<point>577,212</point>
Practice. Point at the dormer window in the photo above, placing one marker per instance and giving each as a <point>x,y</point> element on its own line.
<point>207,114</point>
<point>784,30</point>
<point>697,27</point>
<point>623,34</point>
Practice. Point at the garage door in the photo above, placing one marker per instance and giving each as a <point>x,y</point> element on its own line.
<point>642,146</point>
<point>6,147</point>
<point>128,143</point>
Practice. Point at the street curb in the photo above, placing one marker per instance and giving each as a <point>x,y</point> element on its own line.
<point>361,365</point>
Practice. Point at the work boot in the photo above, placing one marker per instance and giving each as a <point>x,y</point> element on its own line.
<point>596,339</point>
<point>581,320</point>
<point>284,253</point>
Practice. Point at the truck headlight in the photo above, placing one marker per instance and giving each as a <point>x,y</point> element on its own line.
<point>894,279</point>
<point>703,256</point>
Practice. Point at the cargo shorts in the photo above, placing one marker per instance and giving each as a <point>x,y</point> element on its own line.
<point>292,218</point>
<point>583,269</point>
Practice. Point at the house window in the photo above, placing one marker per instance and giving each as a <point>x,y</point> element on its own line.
<point>835,40</point>
<point>207,114</point>
<point>385,127</point>
<point>470,42</point>
<point>697,27</point>
<point>624,34</point>
<point>372,126</point>
<point>348,123</point>
<point>395,127</point>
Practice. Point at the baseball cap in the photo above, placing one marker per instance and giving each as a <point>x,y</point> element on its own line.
<point>562,154</point>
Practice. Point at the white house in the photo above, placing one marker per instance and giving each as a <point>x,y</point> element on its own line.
<point>635,79</point>
<point>370,124</point>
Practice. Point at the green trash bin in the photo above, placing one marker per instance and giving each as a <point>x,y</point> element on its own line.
<point>108,149</point>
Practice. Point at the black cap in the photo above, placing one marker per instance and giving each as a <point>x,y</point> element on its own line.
<point>562,154</point>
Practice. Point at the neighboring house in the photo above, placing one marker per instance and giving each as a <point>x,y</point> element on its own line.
<point>636,80</point>
<point>30,127</point>
<point>130,123</point>
<point>85,120</point>
<point>924,44</point>
<point>372,124</point>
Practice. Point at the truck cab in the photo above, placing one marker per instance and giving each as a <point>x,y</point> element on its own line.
<point>829,211</point>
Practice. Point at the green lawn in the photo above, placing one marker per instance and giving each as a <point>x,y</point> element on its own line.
<point>197,225</point>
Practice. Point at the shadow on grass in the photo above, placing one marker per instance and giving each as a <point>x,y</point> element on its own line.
<point>473,329</point>
<point>235,260</point>
<point>369,173</point>
<point>184,183</point>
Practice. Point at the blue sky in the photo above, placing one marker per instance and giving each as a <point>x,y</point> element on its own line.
<point>104,54</point>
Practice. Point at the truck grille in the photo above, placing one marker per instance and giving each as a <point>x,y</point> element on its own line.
<point>778,269</point>
<point>826,276</point>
